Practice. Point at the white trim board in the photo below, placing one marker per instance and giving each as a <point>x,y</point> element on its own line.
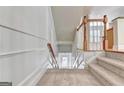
<point>22,51</point>
<point>23,32</point>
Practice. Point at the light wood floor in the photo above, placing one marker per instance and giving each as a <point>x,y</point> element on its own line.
<point>66,77</point>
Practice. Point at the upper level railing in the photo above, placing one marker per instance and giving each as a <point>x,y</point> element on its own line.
<point>83,58</point>
<point>94,33</point>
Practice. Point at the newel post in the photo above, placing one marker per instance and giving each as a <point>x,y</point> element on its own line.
<point>85,33</point>
<point>105,41</point>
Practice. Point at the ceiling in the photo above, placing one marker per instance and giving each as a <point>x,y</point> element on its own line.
<point>67,18</point>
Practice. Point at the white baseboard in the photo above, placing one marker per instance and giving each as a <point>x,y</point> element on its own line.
<point>34,77</point>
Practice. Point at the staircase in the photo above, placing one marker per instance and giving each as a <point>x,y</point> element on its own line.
<point>108,70</point>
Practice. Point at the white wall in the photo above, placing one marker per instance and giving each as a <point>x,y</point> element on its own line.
<point>78,40</point>
<point>121,34</point>
<point>115,27</point>
<point>118,25</point>
<point>24,58</point>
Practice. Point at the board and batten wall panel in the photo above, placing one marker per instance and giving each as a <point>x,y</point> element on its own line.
<point>28,19</point>
<point>23,57</point>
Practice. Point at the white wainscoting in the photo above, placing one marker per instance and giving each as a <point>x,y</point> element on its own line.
<point>33,78</point>
<point>23,49</point>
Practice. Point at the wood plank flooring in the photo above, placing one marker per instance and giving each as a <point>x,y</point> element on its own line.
<point>68,77</point>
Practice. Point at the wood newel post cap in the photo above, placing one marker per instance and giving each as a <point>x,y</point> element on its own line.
<point>85,20</point>
<point>105,19</point>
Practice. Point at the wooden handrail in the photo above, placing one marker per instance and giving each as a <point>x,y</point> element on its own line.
<point>54,61</point>
<point>79,26</point>
<point>51,49</point>
<point>88,20</point>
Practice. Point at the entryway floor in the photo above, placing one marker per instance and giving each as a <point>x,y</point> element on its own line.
<point>68,77</point>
